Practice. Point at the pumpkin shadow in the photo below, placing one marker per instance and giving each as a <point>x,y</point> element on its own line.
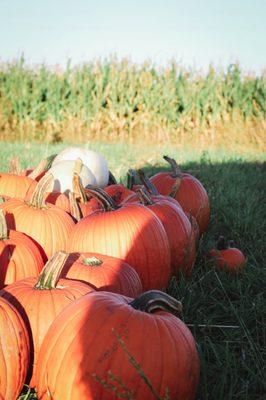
<point>5,258</point>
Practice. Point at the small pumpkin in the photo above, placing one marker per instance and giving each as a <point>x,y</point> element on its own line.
<point>138,337</point>
<point>226,256</point>
<point>14,351</point>
<point>40,300</point>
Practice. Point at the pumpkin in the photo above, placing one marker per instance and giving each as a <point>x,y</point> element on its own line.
<point>178,229</point>
<point>19,256</point>
<point>63,175</point>
<point>13,185</point>
<point>14,351</point>
<point>138,337</point>
<point>94,161</point>
<point>130,232</point>
<point>81,205</point>
<point>187,190</point>
<point>227,257</point>
<point>103,273</point>
<point>47,224</point>
<point>33,173</point>
<point>40,300</point>
<point>118,193</point>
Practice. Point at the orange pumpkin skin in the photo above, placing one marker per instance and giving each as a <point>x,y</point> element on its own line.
<point>39,308</point>
<point>58,199</point>
<point>19,258</point>
<point>13,185</point>
<point>103,272</point>
<point>74,352</point>
<point>191,195</point>
<point>14,351</point>
<point>132,233</point>
<point>231,259</point>
<point>49,226</point>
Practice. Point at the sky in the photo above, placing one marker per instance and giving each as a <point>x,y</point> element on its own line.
<point>195,33</point>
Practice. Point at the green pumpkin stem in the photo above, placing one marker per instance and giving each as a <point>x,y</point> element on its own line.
<point>147,183</point>
<point>153,300</point>
<point>50,274</point>
<point>104,198</point>
<point>144,197</point>
<point>3,226</point>
<point>112,180</point>
<point>131,178</point>
<point>92,261</point>
<point>44,185</point>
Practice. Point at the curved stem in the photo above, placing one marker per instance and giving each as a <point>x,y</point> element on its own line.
<point>112,180</point>
<point>221,243</point>
<point>175,187</point>
<point>104,198</point>
<point>176,172</point>
<point>39,169</point>
<point>78,166</point>
<point>44,185</point>
<point>78,188</point>
<point>74,208</point>
<point>153,300</point>
<point>3,226</point>
<point>49,161</point>
<point>144,197</point>
<point>50,274</point>
<point>147,183</point>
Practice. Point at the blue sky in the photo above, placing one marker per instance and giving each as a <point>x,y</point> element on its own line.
<point>193,32</point>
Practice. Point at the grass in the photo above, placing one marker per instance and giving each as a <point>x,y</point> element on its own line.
<point>227,315</point>
<point>118,100</point>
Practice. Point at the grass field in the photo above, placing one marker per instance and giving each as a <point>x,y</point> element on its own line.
<point>226,314</point>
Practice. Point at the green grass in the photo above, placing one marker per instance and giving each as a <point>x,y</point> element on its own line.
<point>113,100</point>
<point>233,359</point>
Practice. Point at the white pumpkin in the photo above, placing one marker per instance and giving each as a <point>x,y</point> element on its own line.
<point>94,161</point>
<point>63,175</point>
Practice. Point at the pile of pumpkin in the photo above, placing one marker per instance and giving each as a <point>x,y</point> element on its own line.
<point>83,265</point>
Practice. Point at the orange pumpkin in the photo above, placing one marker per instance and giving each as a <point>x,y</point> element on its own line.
<point>136,337</point>
<point>132,233</point>
<point>40,300</point>
<point>227,257</point>
<point>47,224</point>
<point>187,190</point>
<point>14,351</point>
<point>103,273</point>
<point>19,256</point>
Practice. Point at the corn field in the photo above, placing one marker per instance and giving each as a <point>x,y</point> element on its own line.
<point>118,100</point>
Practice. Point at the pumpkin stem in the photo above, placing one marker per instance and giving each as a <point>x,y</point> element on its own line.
<point>153,300</point>
<point>44,185</point>
<point>92,261</point>
<point>3,226</point>
<point>14,166</point>
<point>221,243</point>
<point>49,161</point>
<point>147,183</point>
<point>131,178</point>
<point>144,197</point>
<point>78,189</point>
<point>104,198</point>
<point>176,171</point>
<point>50,274</point>
<point>231,243</point>
<point>175,187</point>
<point>74,208</point>
<point>112,180</point>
